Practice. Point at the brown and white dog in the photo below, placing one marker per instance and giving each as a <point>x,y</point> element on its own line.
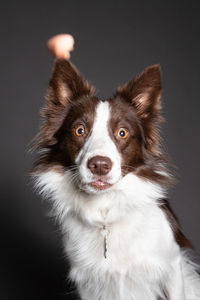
<point>101,164</point>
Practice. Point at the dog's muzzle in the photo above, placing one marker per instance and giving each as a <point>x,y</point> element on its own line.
<point>99,166</point>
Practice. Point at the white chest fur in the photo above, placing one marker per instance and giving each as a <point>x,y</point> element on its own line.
<point>142,256</point>
<point>140,253</point>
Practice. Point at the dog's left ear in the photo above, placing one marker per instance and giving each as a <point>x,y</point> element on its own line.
<point>144,92</point>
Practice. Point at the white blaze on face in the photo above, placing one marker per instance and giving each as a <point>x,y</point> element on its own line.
<point>100,143</point>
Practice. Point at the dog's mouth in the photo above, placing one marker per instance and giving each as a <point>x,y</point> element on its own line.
<point>100,185</point>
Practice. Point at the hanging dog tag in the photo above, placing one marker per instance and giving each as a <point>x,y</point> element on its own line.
<point>105,232</point>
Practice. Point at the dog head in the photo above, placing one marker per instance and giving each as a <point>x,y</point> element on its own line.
<point>101,141</point>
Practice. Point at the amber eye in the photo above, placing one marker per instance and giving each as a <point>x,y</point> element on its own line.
<point>123,133</point>
<point>80,130</point>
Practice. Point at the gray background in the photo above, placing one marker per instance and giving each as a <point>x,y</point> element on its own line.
<point>114,41</point>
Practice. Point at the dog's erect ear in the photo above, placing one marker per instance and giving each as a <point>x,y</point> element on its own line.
<point>144,92</point>
<point>67,84</point>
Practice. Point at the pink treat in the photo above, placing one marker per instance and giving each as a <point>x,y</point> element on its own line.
<point>61,45</point>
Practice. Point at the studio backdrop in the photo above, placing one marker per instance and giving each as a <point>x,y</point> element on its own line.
<point>114,40</point>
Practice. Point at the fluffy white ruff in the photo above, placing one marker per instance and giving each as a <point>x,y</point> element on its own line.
<point>129,194</point>
<point>143,258</point>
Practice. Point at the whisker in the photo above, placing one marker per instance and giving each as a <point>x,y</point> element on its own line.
<point>72,168</point>
<point>73,175</point>
<point>128,166</point>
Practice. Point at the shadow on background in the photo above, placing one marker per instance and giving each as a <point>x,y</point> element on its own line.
<point>32,266</point>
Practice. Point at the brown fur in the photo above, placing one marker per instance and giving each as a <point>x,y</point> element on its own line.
<point>68,94</point>
<point>65,87</point>
<point>139,101</point>
<point>144,91</point>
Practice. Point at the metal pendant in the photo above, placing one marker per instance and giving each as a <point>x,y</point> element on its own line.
<point>104,232</point>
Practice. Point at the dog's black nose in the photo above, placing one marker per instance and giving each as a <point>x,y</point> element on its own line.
<point>100,165</point>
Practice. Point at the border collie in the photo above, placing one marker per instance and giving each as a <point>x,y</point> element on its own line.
<point>101,164</point>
